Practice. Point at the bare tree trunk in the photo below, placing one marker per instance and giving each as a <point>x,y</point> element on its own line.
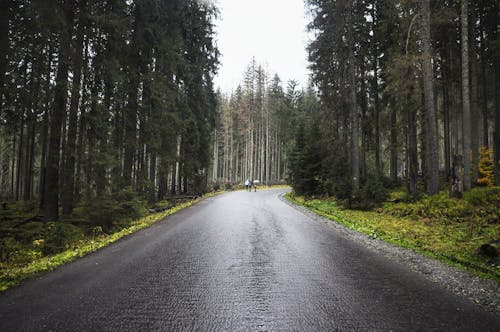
<point>30,150</point>
<point>152,178</point>
<point>474,103</point>
<point>431,148</point>
<point>446,117</point>
<point>484,82</point>
<point>216,157</point>
<point>67,197</point>
<point>412,140</point>
<point>13,166</point>
<point>58,115</point>
<point>19,170</point>
<point>353,104</point>
<point>496,142</point>
<point>4,44</point>
<point>376,105</point>
<point>466,122</point>
<point>364,123</point>
<point>394,145</point>
<point>44,139</point>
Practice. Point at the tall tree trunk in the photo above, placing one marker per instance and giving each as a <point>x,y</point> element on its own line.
<point>152,178</point>
<point>484,84</point>
<point>446,115</point>
<point>59,111</point>
<point>30,151</point>
<point>13,167</point>
<point>67,197</point>
<point>412,139</point>
<point>130,132</point>
<point>364,123</point>
<point>466,113</point>
<point>44,139</point>
<point>353,104</point>
<point>376,102</point>
<point>496,60</point>
<point>394,145</point>
<point>474,101</point>
<point>34,104</point>
<point>4,44</point>
<point>19,171</point>
<point>431,142</point>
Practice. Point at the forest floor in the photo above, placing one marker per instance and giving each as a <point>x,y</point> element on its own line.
<point>451,230</point>
<point>29,246</point>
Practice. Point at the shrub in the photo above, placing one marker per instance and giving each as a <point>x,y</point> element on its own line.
<point>486,168</point>
<point>9,247</point>
<point>105,210</point>
<point>371,194</point>
<point>60,236</point>
<point>483,196</point>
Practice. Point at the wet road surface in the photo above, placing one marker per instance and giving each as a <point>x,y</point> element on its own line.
<point>237,262</point>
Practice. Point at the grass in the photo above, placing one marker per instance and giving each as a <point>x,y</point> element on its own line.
<point>34,262</point>
<point>448,229</point>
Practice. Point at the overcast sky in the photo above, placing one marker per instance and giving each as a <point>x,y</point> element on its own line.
<point>273,31</point>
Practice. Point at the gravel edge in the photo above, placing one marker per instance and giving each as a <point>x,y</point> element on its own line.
<point>481,291</point>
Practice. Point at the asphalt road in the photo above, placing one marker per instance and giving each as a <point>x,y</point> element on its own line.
<point>237,262</point>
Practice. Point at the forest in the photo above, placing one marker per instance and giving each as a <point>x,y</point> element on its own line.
<point>408,92</point>
<point>103,97</point>
<point>254,133</point>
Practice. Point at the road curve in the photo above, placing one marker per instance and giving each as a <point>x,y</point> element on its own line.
<point>237,262</point>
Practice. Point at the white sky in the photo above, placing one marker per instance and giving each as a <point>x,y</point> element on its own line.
<point>273,31</point>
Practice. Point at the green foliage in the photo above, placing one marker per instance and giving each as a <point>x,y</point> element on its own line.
<point>486,168</point>
<point>483,197</point>
<point>372,193</point>
<point>105,210</point>
<point>60,236</point>
<point>439,206</point>
<point>216,186</point>
<point>11,250</point>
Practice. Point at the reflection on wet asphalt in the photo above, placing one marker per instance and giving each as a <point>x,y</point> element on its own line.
<point>238,262</point>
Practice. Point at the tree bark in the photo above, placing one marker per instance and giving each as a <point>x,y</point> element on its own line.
<point>484,83</point>
<point>4,44</point>
<point>67,197</point>
<point>376,101</point>
<point>431,142</point>
<point>353,104</point>
<point>412,140</point>
<point>466,112</point>
<point>58,113</point>
<point>152,178</point>
<point>394,145</point>
<point>474,111</point>
<point>446,117</point>
<point>496,60</point>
